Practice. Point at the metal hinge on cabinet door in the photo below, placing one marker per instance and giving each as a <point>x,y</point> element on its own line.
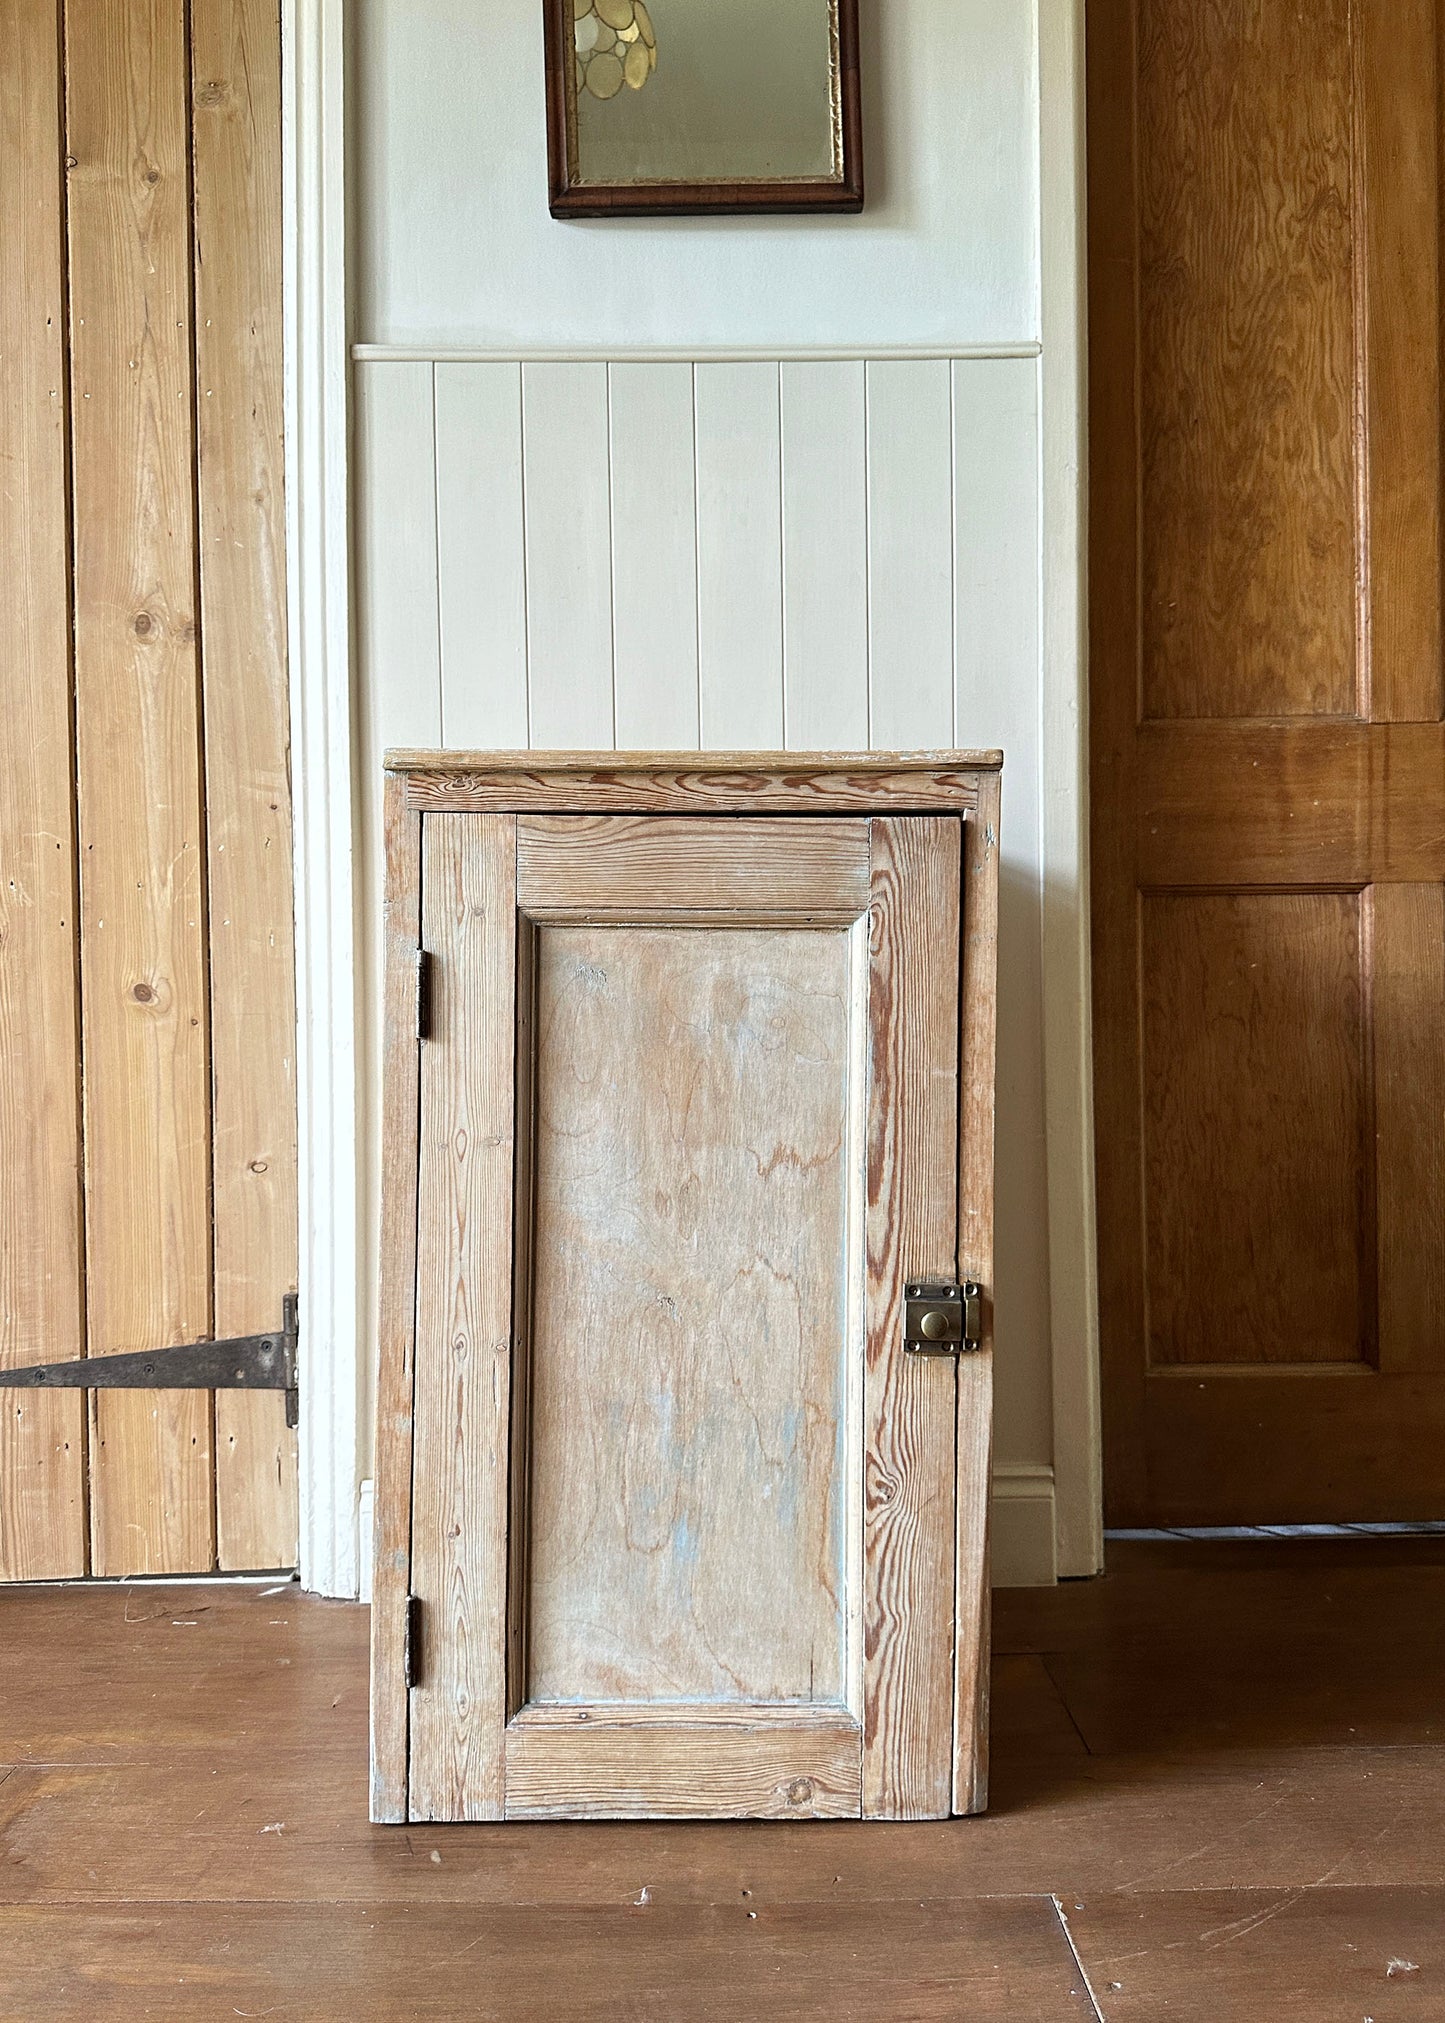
<point>244,1363</point>
<point>411,1644</point>
<point>423,993</point>
<point>941,1318</point>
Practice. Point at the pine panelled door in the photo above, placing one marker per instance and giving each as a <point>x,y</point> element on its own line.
<point>682,1483</point>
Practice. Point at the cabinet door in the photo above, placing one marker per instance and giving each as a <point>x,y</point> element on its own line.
<point>684,1511</point>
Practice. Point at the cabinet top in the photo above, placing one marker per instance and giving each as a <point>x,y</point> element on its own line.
<point>692,782</point>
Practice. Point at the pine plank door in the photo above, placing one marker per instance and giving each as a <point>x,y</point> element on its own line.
<point>684,1522</point>
<point>147,1007</point>
<point>1268,784</point>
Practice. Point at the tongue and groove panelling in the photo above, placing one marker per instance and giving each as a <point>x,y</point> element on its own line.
<point>726,552</point>
<point>758,553</point>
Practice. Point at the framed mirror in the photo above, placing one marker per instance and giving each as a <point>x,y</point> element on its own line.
<point>677,106</point>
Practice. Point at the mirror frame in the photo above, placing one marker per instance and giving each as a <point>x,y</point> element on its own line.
<point>570,198</point>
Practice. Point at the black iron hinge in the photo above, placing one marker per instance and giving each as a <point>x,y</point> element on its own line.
<point>245,1363</point>
<point>411,1647</point>
<point>423,994</point>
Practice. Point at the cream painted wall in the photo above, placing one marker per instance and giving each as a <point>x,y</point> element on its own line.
<point>816,520</point>
<point>454,246</point>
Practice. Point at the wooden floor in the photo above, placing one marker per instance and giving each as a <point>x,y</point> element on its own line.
<point>1219,1794</point>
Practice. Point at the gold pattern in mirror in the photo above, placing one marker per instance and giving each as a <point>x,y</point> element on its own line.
<point>615,45</point>
<point>692,105</point>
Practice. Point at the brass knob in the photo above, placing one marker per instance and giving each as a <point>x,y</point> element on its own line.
<point>934,1325</point>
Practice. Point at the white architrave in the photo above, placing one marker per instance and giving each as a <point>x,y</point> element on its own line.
<point>318,578</point>
<point>1068,1026</point>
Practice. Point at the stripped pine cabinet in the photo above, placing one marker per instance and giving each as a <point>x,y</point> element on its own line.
<point>681,1504</point>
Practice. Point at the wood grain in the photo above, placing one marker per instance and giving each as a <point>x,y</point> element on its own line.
<point>647,867</point>
<point>1244,1736</point>
<point>1307,1956</point>
<point>598,768</point>
<point>1258,1242</point>
<point>87,1833</point>
<point>1215,1654</point>
<point>696,1120</point>
<point>1299,804</point>
<point>694,1153</point>
<point>396,1316</point>
<point>236,68</point>
<point>524,1193</point>
<point>1248,215</point>
<point>464,1319</point>
<point>683,783</point>
<point>42,1439</point>
<point>1293,1444</point>
<point>1265,704</point>
<point>1407,958</point>
<point>1111,267</point>
<point>778,1716</point>
<point>1242,1732</point>
<point>991,1960</point>
<point>722,1771</point>
<point>1399,116</point>
<point>910,1402</point>
<point>973,1478</point>
<point>138,735</point>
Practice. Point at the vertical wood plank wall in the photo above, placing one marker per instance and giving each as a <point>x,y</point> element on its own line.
<point>42,1439</point>
<point>147,1133</point>
<point>236,69</point>
<point>794,552</point>
<point>138,788</point>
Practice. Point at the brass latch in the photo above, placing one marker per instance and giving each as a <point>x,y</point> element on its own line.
<point>942,1319</point>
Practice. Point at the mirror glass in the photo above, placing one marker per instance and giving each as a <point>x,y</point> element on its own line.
<point>705,91</point>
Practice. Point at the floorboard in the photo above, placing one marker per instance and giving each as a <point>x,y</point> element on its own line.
<point>1211,1731</point>
<point>989,1959</point>
<point>1293,1956</point>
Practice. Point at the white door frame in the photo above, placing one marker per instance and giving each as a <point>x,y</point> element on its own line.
<point>318,580</point>
<point>324,791</point>
<point>1068,1022</point>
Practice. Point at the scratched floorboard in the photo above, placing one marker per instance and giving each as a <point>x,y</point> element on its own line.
<point>1204,1756</point>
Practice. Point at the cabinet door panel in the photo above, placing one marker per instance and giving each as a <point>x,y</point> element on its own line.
<point>684,1510</point>
<point>695,1127</point>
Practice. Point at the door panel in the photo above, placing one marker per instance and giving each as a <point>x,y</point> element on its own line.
<point>691,1199</point>
<point>1247,242</point>
<point>1254,1140</point>
<point>683,1532</point>
<point>1268,782</point>
<point>145,976</point>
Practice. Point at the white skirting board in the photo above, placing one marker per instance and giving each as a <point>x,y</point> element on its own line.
<point>1023,1529</point>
